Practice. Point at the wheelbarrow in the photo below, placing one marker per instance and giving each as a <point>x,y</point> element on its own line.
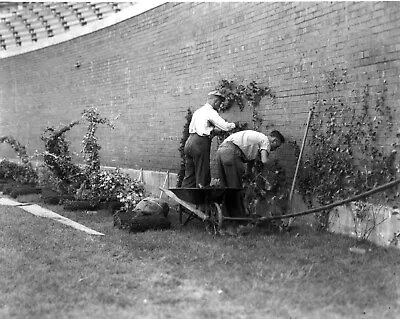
<point>212,205</point>
<point>216,201</point>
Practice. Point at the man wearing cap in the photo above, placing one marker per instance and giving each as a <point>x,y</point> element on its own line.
<point>198,145</point>
<point>244,147</point>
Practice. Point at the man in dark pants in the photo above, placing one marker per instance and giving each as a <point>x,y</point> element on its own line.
<point>239,148</point>
<point>198,145</point>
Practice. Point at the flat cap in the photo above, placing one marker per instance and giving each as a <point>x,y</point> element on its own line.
<point>216,93</point>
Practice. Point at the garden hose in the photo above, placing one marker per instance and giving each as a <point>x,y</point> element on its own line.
<point>338,203</point>
<point>318,209</point>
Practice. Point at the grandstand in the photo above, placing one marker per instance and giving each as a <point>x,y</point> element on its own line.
<point>26,26</point>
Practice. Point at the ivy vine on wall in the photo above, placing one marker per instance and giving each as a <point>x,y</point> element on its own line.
<point>185,136</point>
<point>235,95</point>
<point>347,141</point>
<point>267,185</point>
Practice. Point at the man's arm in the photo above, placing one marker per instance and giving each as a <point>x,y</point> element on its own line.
<point>220,123</point>
<point>264,156</point>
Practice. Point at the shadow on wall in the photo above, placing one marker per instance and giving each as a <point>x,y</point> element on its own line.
<point>287,155</point>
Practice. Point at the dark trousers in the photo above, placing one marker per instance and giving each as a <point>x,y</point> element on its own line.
<point>230,165</point>
<point>197,161</point>
<point>231,170</point>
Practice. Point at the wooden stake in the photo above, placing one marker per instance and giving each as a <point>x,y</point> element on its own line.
<point>165,182</point>
<point>298,163</point>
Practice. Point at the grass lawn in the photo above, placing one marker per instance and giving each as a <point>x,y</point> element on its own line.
<point>49,270</point>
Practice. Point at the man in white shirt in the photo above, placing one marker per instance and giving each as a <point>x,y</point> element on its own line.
<point>198,145</point>
<point>244,147</point>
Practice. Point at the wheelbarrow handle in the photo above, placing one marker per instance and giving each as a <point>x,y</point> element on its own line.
<point>185,204</point>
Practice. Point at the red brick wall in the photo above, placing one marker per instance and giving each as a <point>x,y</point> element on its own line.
<point>152,67</point>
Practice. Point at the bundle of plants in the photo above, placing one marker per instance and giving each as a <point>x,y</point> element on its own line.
<point>115,205</point>
<point>74,205</point>
<point>112,189</point>
<point>23,189</point>
<point>143,223</point>
<point>4,182</point>
<point>15,189</point>
<point>21,173</point>
<point>149,213</point>
<point>52,197</point>
<point>139,222</point>
<point>153,206</point>
<point>8,186</point>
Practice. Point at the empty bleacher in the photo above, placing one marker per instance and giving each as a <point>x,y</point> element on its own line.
<point>26,22</point>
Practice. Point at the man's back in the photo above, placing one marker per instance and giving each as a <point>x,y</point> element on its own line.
<point>250,142</point>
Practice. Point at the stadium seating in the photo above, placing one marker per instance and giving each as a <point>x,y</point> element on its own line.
<point>24,23</point>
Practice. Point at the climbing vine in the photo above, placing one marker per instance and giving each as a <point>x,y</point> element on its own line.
<point>269,184</point>
<point>349,155</point>
<point>235,95</point>
<point>90,145</point>
<point>56,155</point>
<point>87,182</point>
<point>17,147</point>
<point>239,94</point>
<point>185,136</point>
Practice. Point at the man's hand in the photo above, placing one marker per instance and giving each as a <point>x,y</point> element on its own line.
<point>232,126</point>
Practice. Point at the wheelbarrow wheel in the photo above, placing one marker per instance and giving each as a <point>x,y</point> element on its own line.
<point>214,223</point>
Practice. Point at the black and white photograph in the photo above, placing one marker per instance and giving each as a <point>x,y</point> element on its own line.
<point>200,160</point>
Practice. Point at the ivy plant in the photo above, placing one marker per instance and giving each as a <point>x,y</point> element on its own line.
<point>185,136</point>
<point>347,153</point>
<point>269,184</point>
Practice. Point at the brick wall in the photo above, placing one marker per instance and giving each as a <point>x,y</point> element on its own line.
<point>151,68</point>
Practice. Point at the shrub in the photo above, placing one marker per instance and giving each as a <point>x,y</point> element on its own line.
<point>22,173</point>
<point>110,186</point>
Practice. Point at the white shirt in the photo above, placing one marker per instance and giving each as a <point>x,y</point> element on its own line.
<point>250,142</point>
<point>205,119</point>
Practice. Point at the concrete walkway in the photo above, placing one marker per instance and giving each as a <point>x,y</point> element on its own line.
<point>43,212</point>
